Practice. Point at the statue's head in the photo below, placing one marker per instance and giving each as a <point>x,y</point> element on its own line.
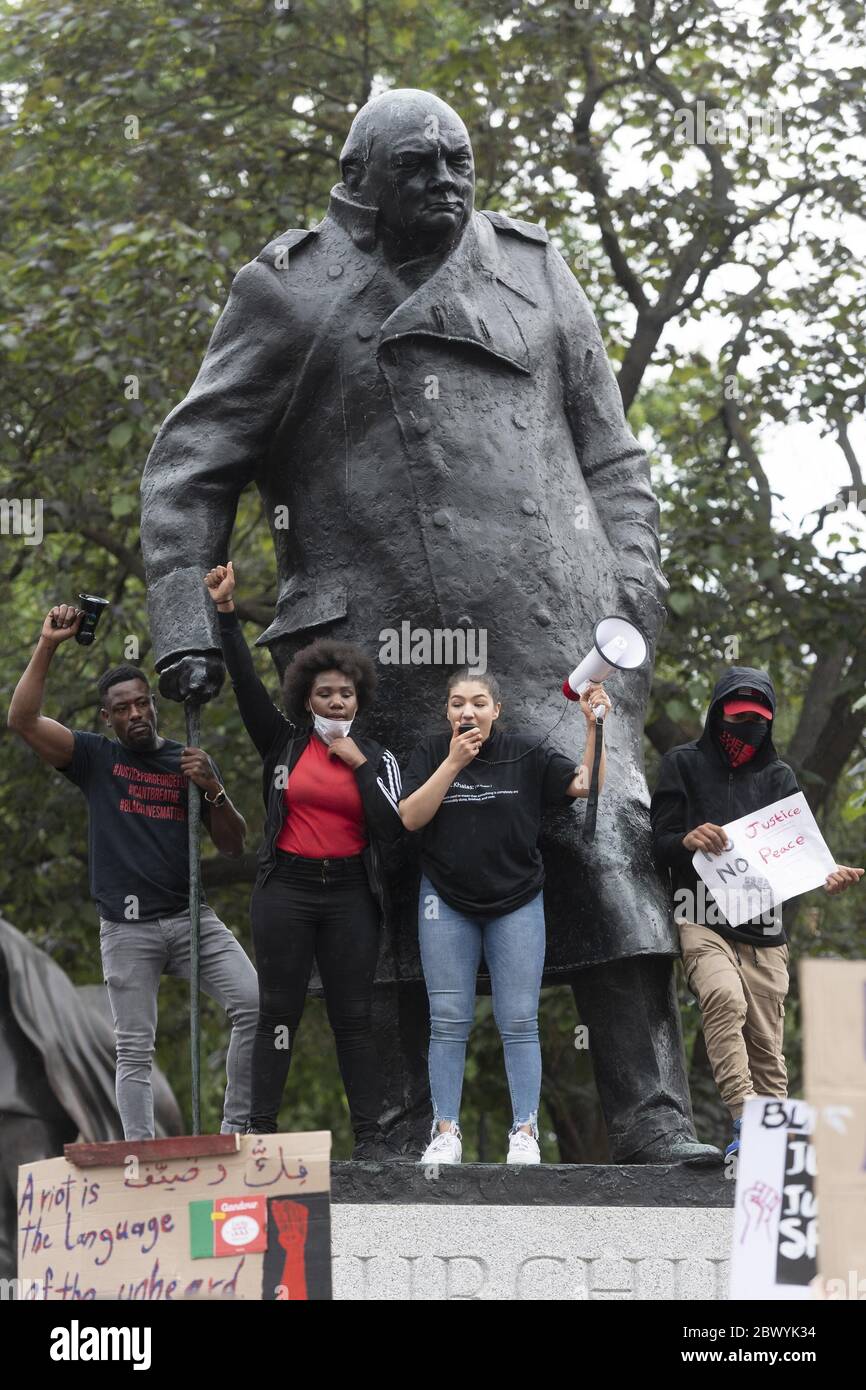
<point>408,154</point>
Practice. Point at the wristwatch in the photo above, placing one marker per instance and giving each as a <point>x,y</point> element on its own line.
<point>217,800</point>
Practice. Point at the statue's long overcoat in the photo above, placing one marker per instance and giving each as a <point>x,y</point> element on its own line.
<point>451,454</point>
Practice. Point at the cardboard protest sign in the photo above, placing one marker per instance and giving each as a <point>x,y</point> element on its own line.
<point>775,1240</point>
<point>213,1216</point>
<point>834,1052</point>
<point>774,854</point>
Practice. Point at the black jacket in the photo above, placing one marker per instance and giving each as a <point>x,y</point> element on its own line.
<point>281,743</point>
<point>697,784</point>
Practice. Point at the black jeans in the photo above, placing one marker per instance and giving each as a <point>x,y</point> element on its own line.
<point>322,908</point>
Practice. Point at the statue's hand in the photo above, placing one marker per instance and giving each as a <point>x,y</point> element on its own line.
<point>199,674</point>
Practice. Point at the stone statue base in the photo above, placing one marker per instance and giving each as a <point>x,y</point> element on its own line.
<point>555,1232</point>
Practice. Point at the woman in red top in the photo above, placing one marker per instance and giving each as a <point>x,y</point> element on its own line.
<point>331,806</point>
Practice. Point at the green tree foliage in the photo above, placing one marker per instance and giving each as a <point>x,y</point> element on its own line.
<point>150,149</point>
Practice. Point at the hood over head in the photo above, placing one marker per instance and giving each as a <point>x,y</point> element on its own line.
<point>733,679</point>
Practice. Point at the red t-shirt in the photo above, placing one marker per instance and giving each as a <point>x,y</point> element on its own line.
<point>324,815</point>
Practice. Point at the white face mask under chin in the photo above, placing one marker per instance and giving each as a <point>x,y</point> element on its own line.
<point>329,729</point>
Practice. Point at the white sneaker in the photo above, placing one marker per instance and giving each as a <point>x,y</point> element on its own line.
<point>443,1148</point>
<point>523,1148</point>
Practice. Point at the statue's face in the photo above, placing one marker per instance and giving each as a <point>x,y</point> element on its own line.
<point>421,177</point>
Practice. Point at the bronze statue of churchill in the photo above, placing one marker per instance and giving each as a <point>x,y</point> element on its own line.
<point>421,395</point>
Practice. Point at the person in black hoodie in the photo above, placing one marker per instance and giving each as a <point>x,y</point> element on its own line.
<point>331,804</point>
<point>739,975</point>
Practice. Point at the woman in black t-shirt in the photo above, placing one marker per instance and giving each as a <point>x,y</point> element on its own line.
<point>476,798</point>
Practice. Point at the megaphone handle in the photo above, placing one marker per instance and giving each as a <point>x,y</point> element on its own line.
<point>598,710</point>
<point>592,800</point>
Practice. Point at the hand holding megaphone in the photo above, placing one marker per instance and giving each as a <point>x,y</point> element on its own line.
<point>617,645</point>
<point>595,701</point>
<point>65,620</point>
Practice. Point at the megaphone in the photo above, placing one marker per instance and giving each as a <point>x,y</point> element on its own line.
<point>617,645</point>
<point>92,607</point>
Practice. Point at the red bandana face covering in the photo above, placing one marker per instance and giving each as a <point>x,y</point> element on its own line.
<point>740,742</point>
<point>736,751</point>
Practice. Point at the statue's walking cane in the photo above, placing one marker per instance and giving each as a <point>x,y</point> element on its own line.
<point>192,709</point>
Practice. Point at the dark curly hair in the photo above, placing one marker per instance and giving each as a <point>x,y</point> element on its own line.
<point>327,655</point>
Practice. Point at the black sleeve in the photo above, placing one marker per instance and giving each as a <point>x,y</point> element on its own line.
<point>84,751</point>
<point>419,769</point>
<point>262,720</point>
<point>557,772</point>
<point>614,464</point>
<point>208,449</point>
<point>791,785</point>
<point>668,812</point>
<point>380,793</point>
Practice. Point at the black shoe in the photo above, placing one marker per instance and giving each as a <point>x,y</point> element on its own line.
<point>375,1148</point>
<point>680,1148</point>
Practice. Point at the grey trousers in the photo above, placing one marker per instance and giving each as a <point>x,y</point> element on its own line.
<point>134,956</point>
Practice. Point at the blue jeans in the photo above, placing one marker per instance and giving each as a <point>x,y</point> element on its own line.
<point>134,956</point>
<point>451,948</point>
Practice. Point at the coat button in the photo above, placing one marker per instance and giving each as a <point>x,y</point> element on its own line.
<point>542,617</point>
<point>520,420</point>
<point>365,334</point>
<point>335,271</point>
<point>528,506</point>
<point>463,621</point>
<point>441,519</point>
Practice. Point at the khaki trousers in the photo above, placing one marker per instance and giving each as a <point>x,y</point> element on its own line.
<point>741,992</point>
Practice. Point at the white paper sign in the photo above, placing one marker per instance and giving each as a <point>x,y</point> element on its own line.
<point>775,1243</point>
<point>774,854</point>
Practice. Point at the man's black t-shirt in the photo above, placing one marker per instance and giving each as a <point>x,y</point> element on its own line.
<point>480,850</point>
<point>139,851</point>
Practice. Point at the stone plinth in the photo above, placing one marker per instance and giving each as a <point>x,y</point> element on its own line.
<point>489,1232</point>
